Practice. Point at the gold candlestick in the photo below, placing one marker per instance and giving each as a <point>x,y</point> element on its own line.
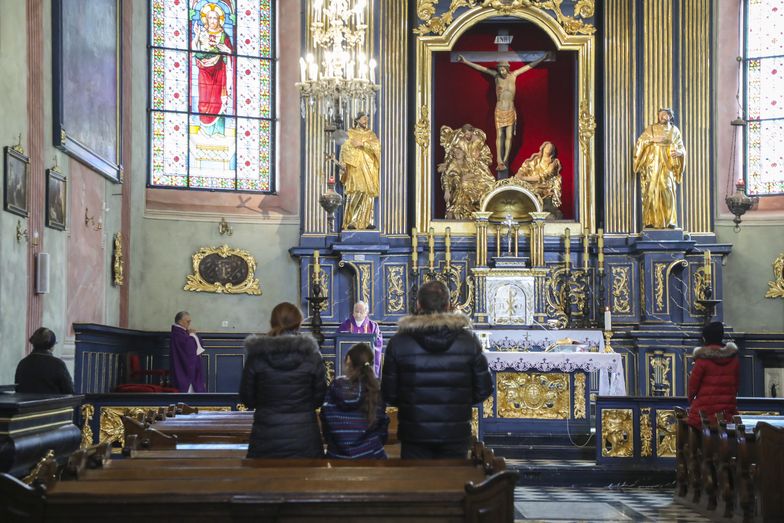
<point>586,249</point>
<point>414,245</point>
<point>431,243</point>
<point>600,248</point>
<point>567,247</point>
<point>448,244</point>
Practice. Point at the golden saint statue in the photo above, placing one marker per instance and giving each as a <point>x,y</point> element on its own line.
<point>465,172</point>
<point>505,113</point>
<point>659,159</point>
<point>360,160</point>
<point>542,172</point>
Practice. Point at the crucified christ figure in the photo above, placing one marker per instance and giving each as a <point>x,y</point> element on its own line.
<point>505,114</point>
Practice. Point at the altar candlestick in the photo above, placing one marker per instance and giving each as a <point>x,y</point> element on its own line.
<point>607,319</point>
<point>707,255</point>
<point>600,248</point>
<point>414,245</point>
<point>586,247</point>
<point>567,247</point>
<point>316,266</point>
<point>448,244</point>
<point>431,243</point>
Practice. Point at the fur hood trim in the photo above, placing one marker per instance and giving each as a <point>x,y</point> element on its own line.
<point>261,344</point>
<point>452,321</point>
<point>729,350</point>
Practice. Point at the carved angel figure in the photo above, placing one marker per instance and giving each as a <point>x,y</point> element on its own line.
<point>465,171</point>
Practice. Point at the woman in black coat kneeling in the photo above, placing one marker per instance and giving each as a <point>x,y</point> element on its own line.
<point>285,380</point>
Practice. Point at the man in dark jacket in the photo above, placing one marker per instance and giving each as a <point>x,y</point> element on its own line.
<point>41,372</point>
<point>434,371</point>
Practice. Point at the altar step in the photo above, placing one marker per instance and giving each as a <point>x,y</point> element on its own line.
<point>583,473</point>
<point>542,446</point>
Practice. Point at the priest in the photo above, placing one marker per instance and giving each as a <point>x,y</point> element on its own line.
<point>184,360</point>
<point>359,323</point>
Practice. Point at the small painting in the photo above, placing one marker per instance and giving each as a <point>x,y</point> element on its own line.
<point>15,181</point>
<point>55,199</point>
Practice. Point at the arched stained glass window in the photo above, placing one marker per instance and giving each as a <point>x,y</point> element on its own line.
<point>764,78</point>
<point>212,101</point>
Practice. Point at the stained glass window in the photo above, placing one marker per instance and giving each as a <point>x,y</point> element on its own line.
<point>764,76</point>
<point>212,94</point>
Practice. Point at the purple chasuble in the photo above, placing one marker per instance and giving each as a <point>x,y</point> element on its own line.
<point>184,364</point>
<point>368,326</point>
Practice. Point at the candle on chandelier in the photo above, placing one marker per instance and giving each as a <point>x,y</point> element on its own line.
<point>567,247</point>
<point>586,247</point>
<point>607,319</point>
<point>707,261</point>
<point>600,248</point>
<point>414,245</point>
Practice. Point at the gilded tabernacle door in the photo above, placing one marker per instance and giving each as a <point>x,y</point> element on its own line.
<point>504,95</point>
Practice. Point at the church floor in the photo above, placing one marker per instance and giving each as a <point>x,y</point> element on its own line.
<point>600,504</point>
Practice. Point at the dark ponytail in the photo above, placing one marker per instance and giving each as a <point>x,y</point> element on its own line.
<point>361,357</point>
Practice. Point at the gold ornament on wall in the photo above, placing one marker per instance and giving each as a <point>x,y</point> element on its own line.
<point>621,291</point>
<point>646,433</point>
<point>666,428</point>
<point>776,289</point>
<point>118,277</point>
<point>617,433</point>
<point>223,270</point>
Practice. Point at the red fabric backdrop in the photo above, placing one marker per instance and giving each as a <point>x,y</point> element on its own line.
<point>545,102</point>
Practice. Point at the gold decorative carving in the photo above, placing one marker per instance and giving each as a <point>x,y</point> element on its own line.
<point>45,471</point>
<point>241,407</point>
<point>422,129</point>
<point>658,287</point>
<point>587,123</point>
<point>395,289</point>
<point>776,289</point>
<point>621,291</point>
<point>701,283</point>
<point>579,396</point>
<point>617,433</point>
<point>87,433</point>
<point>487,407</point>
<point>197,283</point>
<point>330,366</point>
<point>118,278</point>
<point>660,367</point>
<point>364,271</point>
<point>111,426</point>
<point>533,395</point>
<point>556,294</point>
<point>475,423</point>
<point>646,433</point>
<point>666,428</point>
<point>438,24</point>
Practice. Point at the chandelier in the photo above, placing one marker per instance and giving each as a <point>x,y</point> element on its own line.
<point>336,75</point>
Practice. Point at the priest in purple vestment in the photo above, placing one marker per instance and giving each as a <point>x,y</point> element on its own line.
<point>184,360</point>
<point>359,323</point>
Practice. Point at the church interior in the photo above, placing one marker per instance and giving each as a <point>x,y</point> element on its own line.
<point>596,184</point>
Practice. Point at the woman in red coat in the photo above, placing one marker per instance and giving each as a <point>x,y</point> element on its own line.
<point>714,379</point>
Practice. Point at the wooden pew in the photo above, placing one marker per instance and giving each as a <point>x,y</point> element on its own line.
<point>275,490</point>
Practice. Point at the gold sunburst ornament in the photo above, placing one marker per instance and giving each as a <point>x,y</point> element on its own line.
<point>776,289</point>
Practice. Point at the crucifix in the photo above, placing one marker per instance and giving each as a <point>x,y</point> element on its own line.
<point>505,87</point>
<point>510,223</point>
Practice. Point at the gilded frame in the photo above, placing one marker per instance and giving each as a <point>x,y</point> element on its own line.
<point>426,45</point>
<point>196,283</point>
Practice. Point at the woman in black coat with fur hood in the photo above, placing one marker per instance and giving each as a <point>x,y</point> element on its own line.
<point>285,380</point>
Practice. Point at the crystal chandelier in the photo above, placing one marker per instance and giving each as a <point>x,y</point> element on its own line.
<point>336,75</point>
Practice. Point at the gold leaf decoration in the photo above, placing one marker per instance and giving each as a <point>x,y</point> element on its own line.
<point>776,289</point>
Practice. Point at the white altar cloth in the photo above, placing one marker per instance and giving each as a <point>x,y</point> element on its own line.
<point>609,365</point>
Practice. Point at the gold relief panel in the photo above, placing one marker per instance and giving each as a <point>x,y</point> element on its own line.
<point>701,282</point>
<point>621,289</point>
<point>617,433</point>
<point>666,426</point>
<point>87,432</point>
<point>646,433</point>
<point>475,422</point>
<point>776,289</point>
<point>111,427</point>
<point>660,366</point>
<point>396,288</point>
<point>223,270</point>
<point>533,395</point>
<point>658,286</point>
<point>422,130</point>
<point>487,408</point>
<point>579,395</point>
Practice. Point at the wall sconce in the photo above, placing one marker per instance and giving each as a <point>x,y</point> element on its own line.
<point>225,228</point>
<point>21,233</point>
<point>89,221</point>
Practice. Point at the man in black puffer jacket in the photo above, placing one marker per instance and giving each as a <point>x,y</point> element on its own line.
<point>434,371</point>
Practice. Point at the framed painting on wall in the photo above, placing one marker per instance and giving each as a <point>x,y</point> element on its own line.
<point>55,199</point>
<point>15,181</point>
<point>86,62</point>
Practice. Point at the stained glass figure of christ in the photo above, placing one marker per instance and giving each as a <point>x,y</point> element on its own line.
<point>212,114</point>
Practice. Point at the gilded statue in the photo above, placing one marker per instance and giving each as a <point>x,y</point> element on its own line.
<point>659,159</point>
<point>360,161</point>
<point>542,173</point>
<point>505,113</point>
<point>465,172</point>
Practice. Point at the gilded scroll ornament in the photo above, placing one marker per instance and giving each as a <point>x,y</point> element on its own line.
<point>223,270</point>
<point>579,395</point>
<point>111,426</point>
<point>617,433</point>
<point>422,129</point>
<point>438,24</point>
<point>487,407</point>
<point>475,422</point>
<point>660,373</point>
<point>658,287</point>
<point>330,366</point>
<point>44,472</point>
<point>776,289</point>
<point>646,433</point>
<point>621,304</point>
<point>396,293</point>
<point>702,281</point>
<point>87,432</point>
<point>533,395</point>
<point>587,125</point>
<point>118,278</point>
<point>666,426</point>
<point>364,276</point>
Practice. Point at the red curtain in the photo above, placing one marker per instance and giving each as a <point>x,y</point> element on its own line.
<point>545,101</point>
